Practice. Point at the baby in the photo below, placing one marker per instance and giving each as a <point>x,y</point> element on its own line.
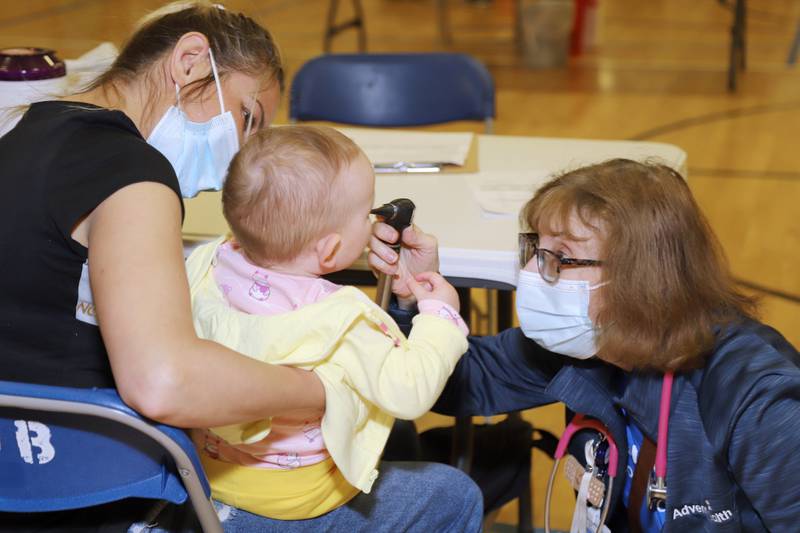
<point>297,199</point>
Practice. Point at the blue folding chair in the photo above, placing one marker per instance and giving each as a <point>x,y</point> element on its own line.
<point>63,448</point>
<point>386,90</point>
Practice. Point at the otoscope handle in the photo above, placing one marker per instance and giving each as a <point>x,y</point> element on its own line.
<point>383,293</point>
<point>398,213</point>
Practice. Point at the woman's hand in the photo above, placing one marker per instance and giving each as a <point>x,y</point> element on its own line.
<point>432,286</point>
<point>419,253</point>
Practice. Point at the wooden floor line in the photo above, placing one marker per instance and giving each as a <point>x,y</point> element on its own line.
<point>794,298</point>
<point>715,116</point>
<point>732,173</point>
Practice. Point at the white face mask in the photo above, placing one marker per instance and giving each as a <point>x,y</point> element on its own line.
<point>200,152</point>
<point>556,316</point>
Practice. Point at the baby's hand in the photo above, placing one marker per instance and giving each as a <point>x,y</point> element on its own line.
<point>432,286</point>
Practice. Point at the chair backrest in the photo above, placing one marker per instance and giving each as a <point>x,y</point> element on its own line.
<point>387,90</point>
<point>64,448</point>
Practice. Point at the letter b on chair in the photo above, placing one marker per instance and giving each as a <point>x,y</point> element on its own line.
<point>32,435</point>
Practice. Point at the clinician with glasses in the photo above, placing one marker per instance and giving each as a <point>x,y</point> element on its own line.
<point>688,408</point>
<point>94,291</point>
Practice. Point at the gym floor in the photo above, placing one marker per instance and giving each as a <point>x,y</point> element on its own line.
<point>657,72</point>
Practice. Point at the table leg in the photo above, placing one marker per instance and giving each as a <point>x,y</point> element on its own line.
<point>505,310</point>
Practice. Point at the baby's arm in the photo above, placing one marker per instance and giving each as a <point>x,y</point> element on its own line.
<point>404,377</point>
<point>435,296</point>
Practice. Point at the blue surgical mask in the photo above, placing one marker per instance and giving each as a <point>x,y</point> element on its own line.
<point>556,316</point>
<point>200,152</point>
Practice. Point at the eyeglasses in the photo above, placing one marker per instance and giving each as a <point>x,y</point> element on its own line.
<point>548,262</point>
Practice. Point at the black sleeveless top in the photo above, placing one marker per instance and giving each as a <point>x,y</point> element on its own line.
<point>56,166</point>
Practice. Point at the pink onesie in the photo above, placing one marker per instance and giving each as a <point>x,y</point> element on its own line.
<point>260,291</point>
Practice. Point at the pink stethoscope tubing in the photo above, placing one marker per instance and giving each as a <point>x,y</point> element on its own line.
<point>579,422</point>
<point>663,426</point>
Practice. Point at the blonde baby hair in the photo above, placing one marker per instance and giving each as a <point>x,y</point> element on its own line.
<point>282,191</point>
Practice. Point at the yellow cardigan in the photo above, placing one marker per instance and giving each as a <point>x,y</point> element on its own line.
<point>371,372</point>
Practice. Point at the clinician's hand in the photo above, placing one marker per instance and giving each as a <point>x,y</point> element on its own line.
<point>419,253</point>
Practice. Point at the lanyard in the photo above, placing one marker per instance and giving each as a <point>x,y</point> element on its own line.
<point>656,489</point>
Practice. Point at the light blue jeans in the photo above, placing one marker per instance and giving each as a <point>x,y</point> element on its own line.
<point>412,497</point>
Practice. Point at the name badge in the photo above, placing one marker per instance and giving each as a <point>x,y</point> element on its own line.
<point>84,309</point>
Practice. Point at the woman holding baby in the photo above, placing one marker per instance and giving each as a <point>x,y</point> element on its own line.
<point>96,294</point>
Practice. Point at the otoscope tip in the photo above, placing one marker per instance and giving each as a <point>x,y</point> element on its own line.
<point>385,211</point>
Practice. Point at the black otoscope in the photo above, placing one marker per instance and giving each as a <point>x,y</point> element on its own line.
<point>398,214</point>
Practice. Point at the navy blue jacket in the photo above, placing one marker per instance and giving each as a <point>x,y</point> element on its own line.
<point>733,460</point>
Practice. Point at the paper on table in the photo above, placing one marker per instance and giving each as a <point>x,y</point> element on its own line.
<point>392,146</point>
<point>504,193</point>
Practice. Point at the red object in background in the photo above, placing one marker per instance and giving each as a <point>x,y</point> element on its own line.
<point>583,27</point>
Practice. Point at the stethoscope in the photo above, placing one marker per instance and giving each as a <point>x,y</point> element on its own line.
<point>657,485</point>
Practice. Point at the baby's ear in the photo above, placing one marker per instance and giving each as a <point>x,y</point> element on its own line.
<point>327,248</point>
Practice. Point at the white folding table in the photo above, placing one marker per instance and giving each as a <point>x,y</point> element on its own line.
<point>477,248</point>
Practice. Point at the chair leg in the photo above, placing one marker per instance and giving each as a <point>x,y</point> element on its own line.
<point>732,66</point>
<point>463,430</point>
<point>505,310</point>
<point>737,53</point>
<point>525,499</point>
<point>362,27</point>
<point>333,7</point>
<point>518,41</point>
<point>463,444</point>
<point>525,511</point>
<point>332,29</point>
<point>795,49</point>
<point>742,8</point>
<point>444,22</point>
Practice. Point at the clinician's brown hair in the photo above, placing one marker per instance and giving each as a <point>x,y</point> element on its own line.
<point>669,283</point>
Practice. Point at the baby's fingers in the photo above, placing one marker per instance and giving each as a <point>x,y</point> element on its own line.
<point>434,279</point>
<point>419,292</point>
